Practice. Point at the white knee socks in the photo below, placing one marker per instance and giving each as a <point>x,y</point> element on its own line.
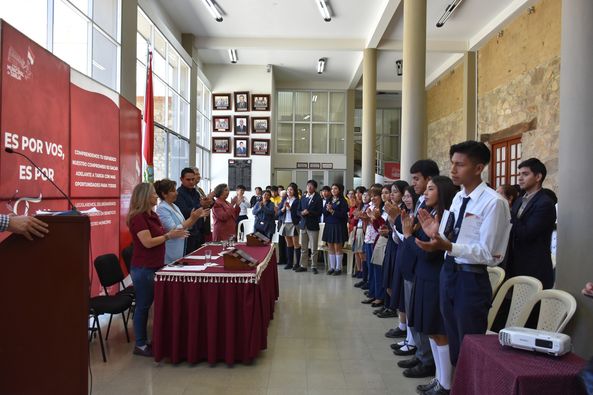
<point>445,366</point>
<point>332,261</point>
<point>339,261</point>
<point>410,339</point>
<point>435,355</point>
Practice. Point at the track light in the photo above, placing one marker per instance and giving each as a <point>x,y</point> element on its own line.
<point>399,67</point>
<point>324,10</point>
<point>321,65</point>
<point>448,12</point>
<point>213,10</point>
<point>233,55</point>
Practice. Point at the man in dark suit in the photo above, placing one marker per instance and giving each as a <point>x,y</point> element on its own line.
<point>533,216</point>
<point>310,212</point>
<point>241,149</point>
<point>187,200</point>
<point>241,127</point>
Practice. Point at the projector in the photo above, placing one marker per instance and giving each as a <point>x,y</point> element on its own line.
<point>550,343</point>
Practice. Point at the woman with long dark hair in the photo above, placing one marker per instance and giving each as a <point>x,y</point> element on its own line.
<point>373,222</point>
<point>335,232</point>
<point>289,217</point>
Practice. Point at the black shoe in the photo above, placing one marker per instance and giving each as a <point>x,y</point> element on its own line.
<point>408,363</point>
<point>379,310</point>
<point>354,275</point>
<point>396,346</point>
<point>395,333</point>
<point>338,273</point>
<point>422,388</point>
<point>387,313</point>
<point>366,293</point>
<point>359,284</point>
<point>288,266</point>
<point>300,269</point>
<point>365,286</point>
<point>315,271</point>
<point>330,272</point>
<point>296,267</point>
<point>420,371</point>
<point>405,351</point>
<point>367,301</point>
<point>377,304</point>
<point>437,390</point>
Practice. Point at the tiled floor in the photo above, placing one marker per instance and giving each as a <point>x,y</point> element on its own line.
<point>322,341</point>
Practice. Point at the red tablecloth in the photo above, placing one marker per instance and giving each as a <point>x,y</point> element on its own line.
<point>214,314</point>
<point>485,367</point>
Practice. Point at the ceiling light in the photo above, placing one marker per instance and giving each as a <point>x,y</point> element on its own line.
<point>233,55</point>
<point>211,5</point>
<point>399,67</point>
<point>448,12</point>
<point>324,10</point>
<point>321,65</point>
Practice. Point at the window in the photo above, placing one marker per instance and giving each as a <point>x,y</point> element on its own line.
<point>203,133</point>
<point>311,122</point>
<point>170,81</point>
<point>83,33</point>
<point>506,156</point>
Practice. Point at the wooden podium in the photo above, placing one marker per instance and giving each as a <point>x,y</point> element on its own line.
<point>44,294</point>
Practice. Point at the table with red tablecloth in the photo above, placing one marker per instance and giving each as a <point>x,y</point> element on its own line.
<point>213,314</point>
<point>486,367</point>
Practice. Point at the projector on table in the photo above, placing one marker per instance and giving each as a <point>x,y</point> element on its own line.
<point>550,343</point>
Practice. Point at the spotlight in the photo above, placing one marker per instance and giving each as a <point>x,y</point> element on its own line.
<point>233,55</point>
<point>321,65</point>
<point>399,67</point>
<point>211,5</point>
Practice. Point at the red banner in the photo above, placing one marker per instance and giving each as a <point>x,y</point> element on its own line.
<point>34,118</point>
<point>392,170</point>
<point>94,141</point>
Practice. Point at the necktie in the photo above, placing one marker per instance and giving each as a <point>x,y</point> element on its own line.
<point>460,218</point>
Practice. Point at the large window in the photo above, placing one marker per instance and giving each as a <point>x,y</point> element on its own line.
<point>83,33</point>
<point>203,133</point>
<point>506,156</point>
<point>311,122</point>
<point>170,80</point>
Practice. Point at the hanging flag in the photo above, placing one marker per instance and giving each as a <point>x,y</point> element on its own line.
<point>148,126</point>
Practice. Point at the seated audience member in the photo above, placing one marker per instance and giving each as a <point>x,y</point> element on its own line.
<point>533,216</point>
<point>265,213</point>
<point>172,218</point>
<point>335,232</point>
<point>149,238</point>
<point>289,218</point>
<point>310,207</point>
<point>224,214</point>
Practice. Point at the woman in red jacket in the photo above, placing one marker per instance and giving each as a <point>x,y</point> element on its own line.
<point>224,215</point>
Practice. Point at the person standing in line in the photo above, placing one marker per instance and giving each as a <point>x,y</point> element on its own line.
<point>224,214</point>
<point>172,218</point>
<point>289,217</point>
<point>479,239</point>
<point>265,213</point>
<point>373,221</point>
<point>310,207</point>
<point>189,199</point>
<point>335,231</point>
<point>365,200</point>
<point>149,238</point>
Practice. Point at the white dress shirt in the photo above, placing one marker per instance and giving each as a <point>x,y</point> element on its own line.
<point>244,205</point>
<point>493,211</point>
<point>287,213</point>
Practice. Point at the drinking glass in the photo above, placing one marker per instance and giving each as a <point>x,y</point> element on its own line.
<point>208,255</point>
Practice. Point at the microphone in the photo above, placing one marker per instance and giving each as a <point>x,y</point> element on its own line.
<point>73,207</point>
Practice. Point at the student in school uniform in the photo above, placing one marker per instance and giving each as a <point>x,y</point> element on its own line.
<point>359,238</point>
<point>422,364</point>
<point>289,217</point>
<point>425,314</point>
<point>309,212</point>
<point>335,232</point>
<point>374,221</point>
<point>479,239</point>
<point>265,213</point>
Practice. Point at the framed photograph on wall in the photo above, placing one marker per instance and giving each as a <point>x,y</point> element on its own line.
<point>260,147</point>
<point>260,124</point>
<point>241,101</point>
<point>221,145</point>
<point>221,123</point>
<point>241,125</point>
<point>241,148</point>
<point>221,101</point>
<point>260,102</point>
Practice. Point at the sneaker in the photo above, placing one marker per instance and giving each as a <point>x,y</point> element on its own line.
<point>145,352</point>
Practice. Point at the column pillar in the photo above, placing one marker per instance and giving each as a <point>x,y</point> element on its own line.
<point>413,129</point>
<point>350,104</point>
<point>576,166</point>
<point>129,30</point>
<point>187,41</point>
<point>470,93</point>
<point>369,116</point>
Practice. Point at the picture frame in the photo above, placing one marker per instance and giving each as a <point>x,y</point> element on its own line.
<point>260,147</point>
<point>260,124</point>
<point>302,165</point>
<point>221,145</point>
<point>327,165</point>
<point>314,165</point>
<point>241,101</point>
<point>221,123</point>
<point>241,125</point>
<point>260,102</point>
<point>241,148</point>
<point>221,101</point>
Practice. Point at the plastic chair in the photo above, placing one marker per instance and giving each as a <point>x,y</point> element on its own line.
<point>496,275</point>
<point>243,228</point>
<point>524,287</point>
<point>556,310</point>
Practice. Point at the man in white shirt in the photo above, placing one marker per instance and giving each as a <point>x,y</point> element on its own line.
<point>479,239</point>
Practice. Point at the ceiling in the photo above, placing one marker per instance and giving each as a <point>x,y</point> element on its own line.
<point>291,35</point>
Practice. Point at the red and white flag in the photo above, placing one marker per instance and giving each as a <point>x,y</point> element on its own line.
<point>148,126</point>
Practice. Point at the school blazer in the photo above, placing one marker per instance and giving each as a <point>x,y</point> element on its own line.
<point>311,220</point>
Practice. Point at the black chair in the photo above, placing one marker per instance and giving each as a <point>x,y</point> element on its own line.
<point>126,254</point>
<point>109,273</point>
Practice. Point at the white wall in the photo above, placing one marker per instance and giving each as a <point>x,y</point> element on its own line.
<point>237,78</point>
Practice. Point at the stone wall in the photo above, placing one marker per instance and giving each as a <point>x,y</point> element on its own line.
<point>519,82</point>
<point>444,111</point>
